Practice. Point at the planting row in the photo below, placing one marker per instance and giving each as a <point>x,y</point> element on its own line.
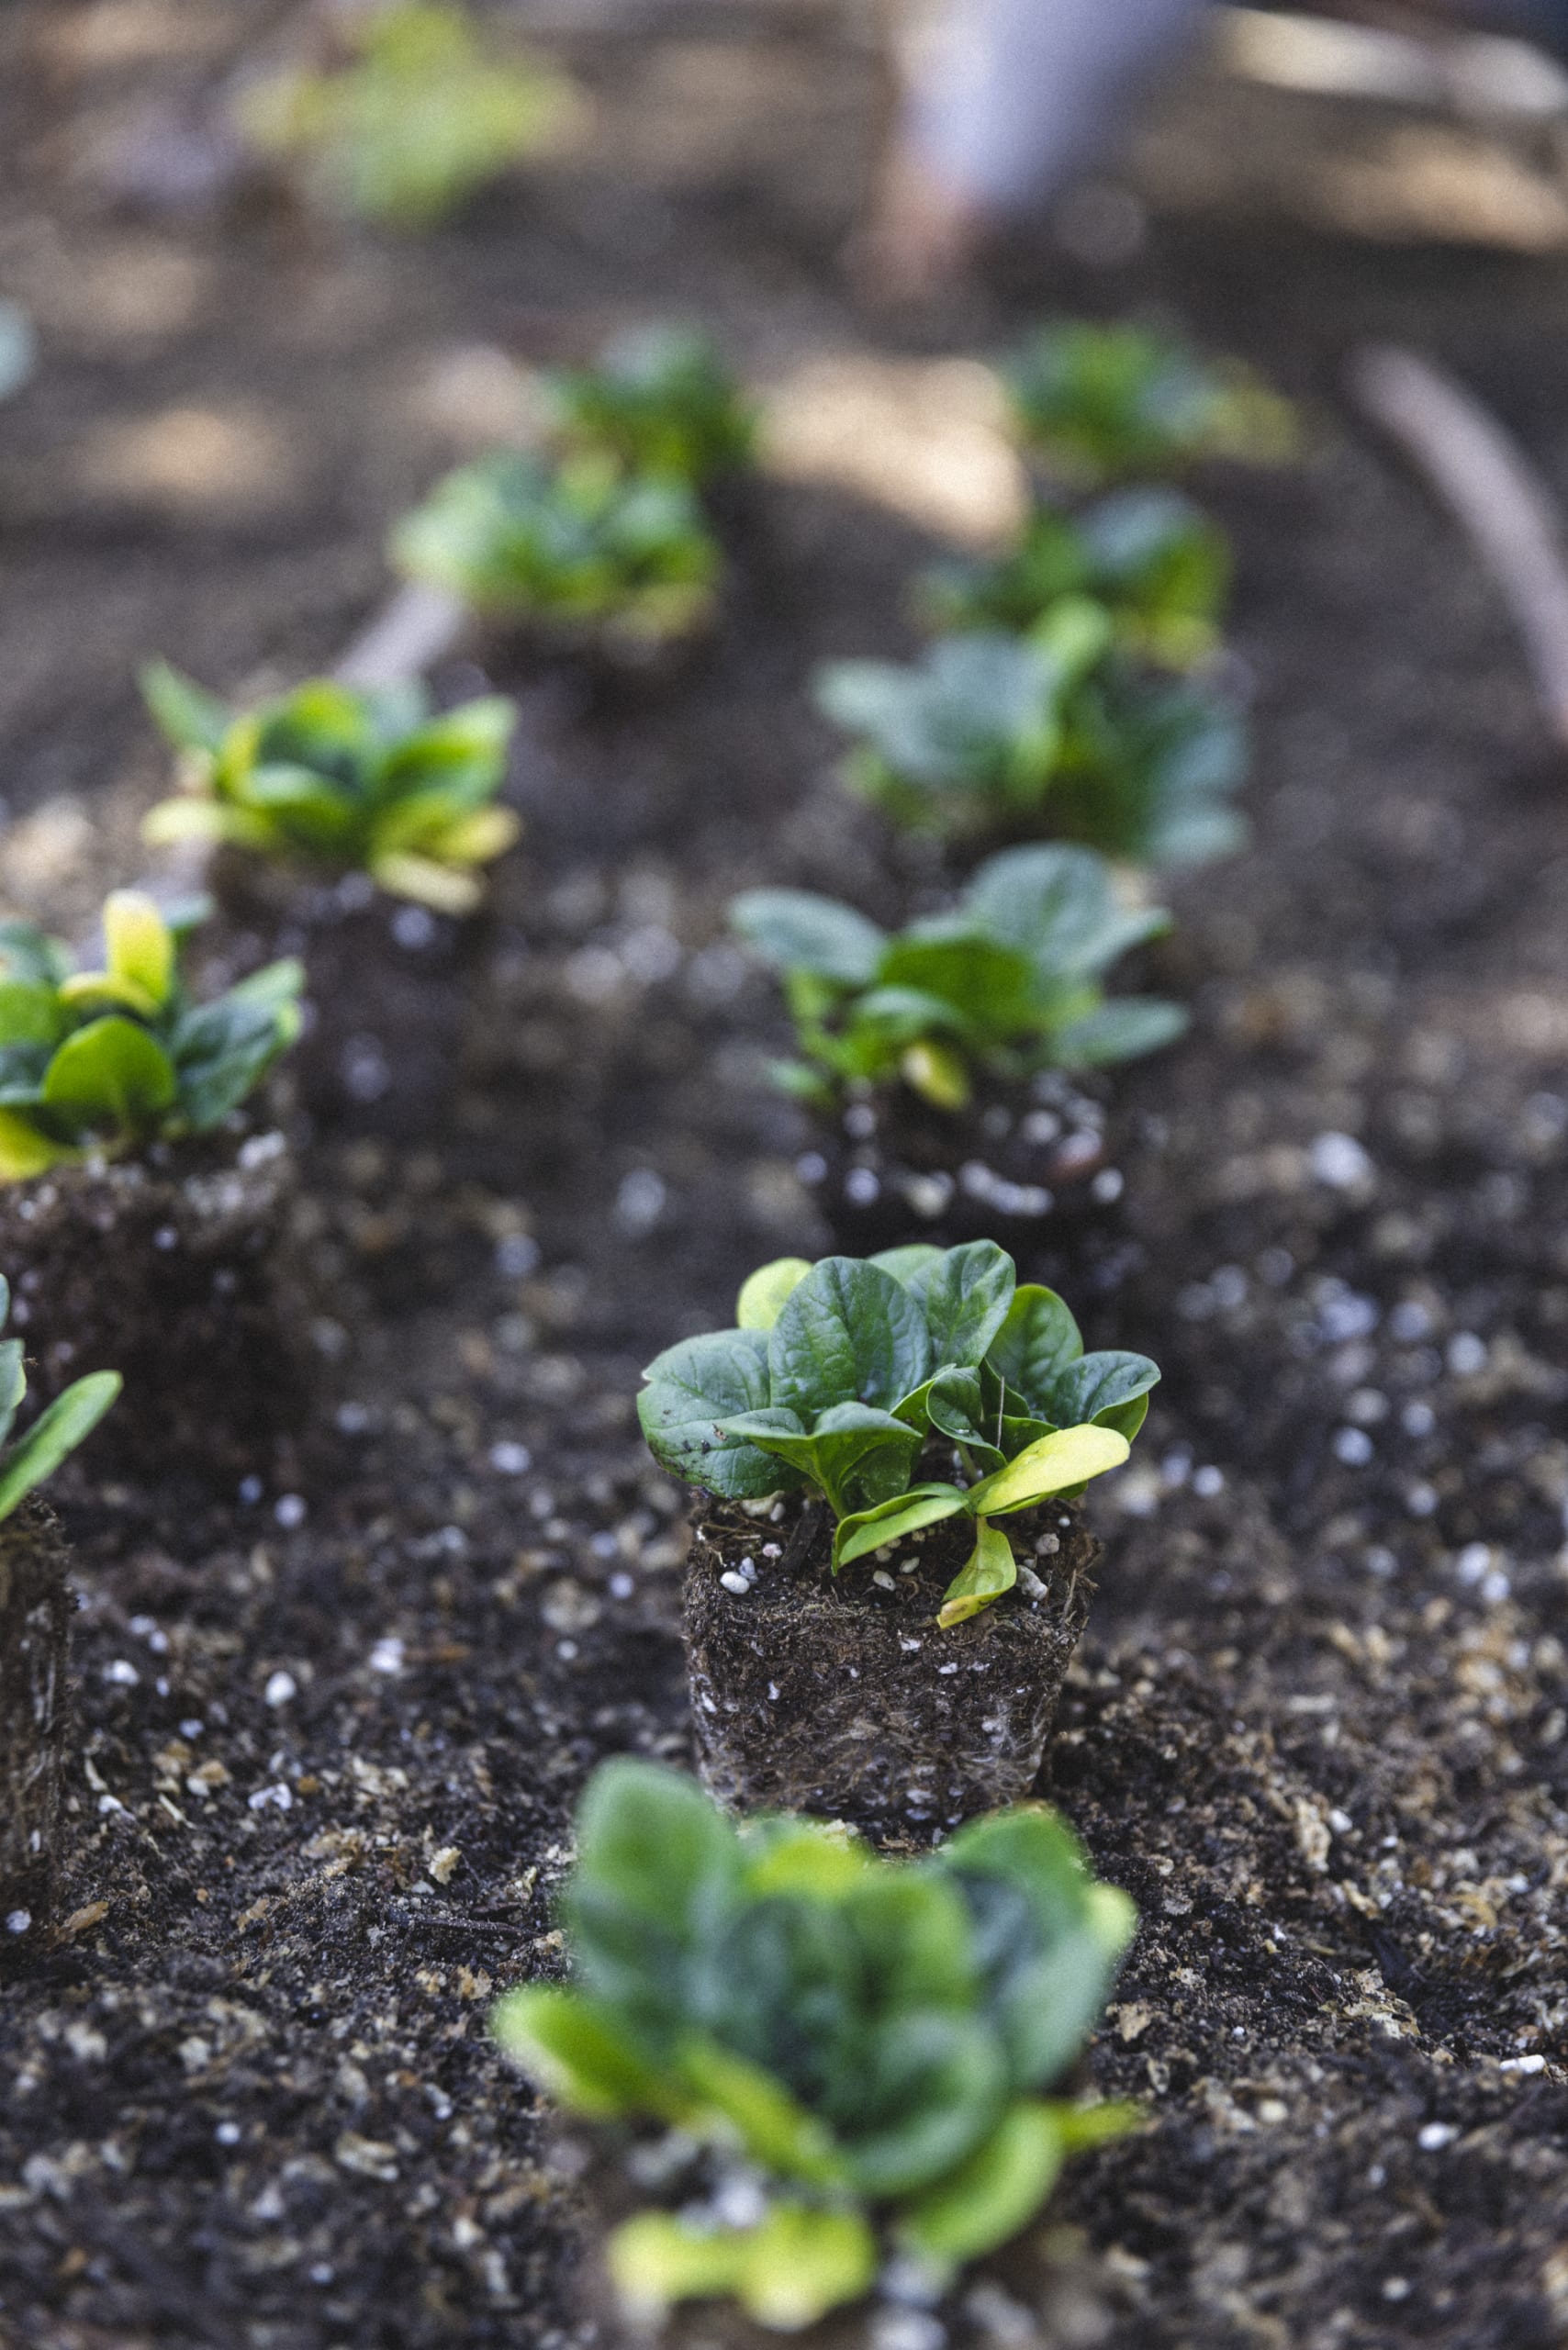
<point>808,2060</point>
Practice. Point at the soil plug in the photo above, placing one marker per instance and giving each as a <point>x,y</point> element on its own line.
<point>942,1066</point>
<point>35,1620</point>
<point>821,2068</point>
<point>140,1218</point>
<point>918,1688</point>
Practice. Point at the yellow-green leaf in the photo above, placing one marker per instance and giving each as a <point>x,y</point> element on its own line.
<point>24,1151</point>
<point>477,838</point>
<point>764,1295</point>
<point>937,1074</point>
<point>141,945</point>
<point>443,887</point>
<point>989,1571</point>
<point>1054,1465</point>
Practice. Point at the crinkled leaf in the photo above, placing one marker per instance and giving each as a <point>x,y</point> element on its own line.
<point>1037,1341</point>
<point>848,1333</point>
<point>966,1297</point>
<point>692,1388</point>
<point>856,1455</point>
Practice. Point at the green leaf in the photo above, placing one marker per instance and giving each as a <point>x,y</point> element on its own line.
<point>772,2127</point>
<point>659,1868</point>
<point>192,720</point>
<point>954,1407</point>
<point>987,1571</point>
<point>912,1931</point>
<point>966,1296</point>
<point>693,1387</point>
<point>24,1151</point>
<point>111,1076</point>
<point>1100,1388</point>
<point>935,2087</point>
<point>140,944</point>
<point>905,1264</point>
<point>855,1455</point>
<point>1120,1031</point>
<point>221,1050</point>
<point>763,1297</point>
<point>30,1013</point>
<point>54,1434</point>
<point>796,929</point>
<point>1034,1344</point>
<point>895,1520</point>
<point>27,953</point>
<point>1058,1463</point>
<point>849,1333</point>
<point>577,2053</point>
<point>990,2197</point>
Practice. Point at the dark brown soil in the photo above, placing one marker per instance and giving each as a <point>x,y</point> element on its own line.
<point>1017,1164</point>
<point>838,1695</point>
<point>35,1720</point>
<point>178,1270</point>
<point>334,1728</point>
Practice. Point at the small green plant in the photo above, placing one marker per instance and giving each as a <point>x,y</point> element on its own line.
<point>862,2050</point>
<point>1150,557</point>
<point>1009,982</point>
<point>577,545</point>
<point>660,401</point>
<point>420,114</point>
<point>58,1428</point>
<point>840,1375</point>
<point>1051,732</point>
<point>344,780</point>
<point>1114,403</point>
<point>108,1061</point>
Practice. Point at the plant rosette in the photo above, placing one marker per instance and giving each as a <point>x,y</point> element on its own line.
<point>935,1061</point>
<point>808,2068</point>
<point>35,1621</point>
<point>660,401</point>
<point>328,780</point>
<point>1151,559</point>
<point>921,1401</point>
<point>1054,734</point>
<point>579,553</point>
<point>1120,403</point>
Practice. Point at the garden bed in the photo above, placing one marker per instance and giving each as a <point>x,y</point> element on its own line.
<point>336,1717</point>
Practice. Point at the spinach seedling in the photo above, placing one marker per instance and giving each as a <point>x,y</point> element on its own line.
<point>26,1460</point>
<point>840,1375</point>
<point>1053,732</point>
<point>578,545</point>
<point>106,1060</point>
<point>661,400</point>
<point>871,2045</point>
<point>1009,982</point>
<point>1152,559</point>
<point>1114,403</point>
<point>421,112</point>
<point>344,780</point>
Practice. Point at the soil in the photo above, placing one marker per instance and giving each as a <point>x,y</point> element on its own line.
<point>837,1695</point>
<point>334,1727</point>
<point>1013,1166</point>
<point>35,1718</point>
<point>177,1269</point>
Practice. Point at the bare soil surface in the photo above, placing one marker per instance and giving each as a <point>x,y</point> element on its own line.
<point>335,1720</point>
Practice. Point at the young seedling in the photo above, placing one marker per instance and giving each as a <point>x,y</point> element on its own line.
<point>35,1613</point>
<point>1103,404</point>
<point>344,782</point>
<point>419,114</point>
<point>577,546</point>
<point>107,1061</point>
<point>660,401</point>
<point>1150,558</point>
<point>1008,983</point>
<point>839,1376</point>
<point>1050,732</point>
<point>872,2049</point>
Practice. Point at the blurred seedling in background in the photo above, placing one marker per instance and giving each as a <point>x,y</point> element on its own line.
<point>1010,982</point>
<point>343,781</point>
<point>577,546</point>
<point>1053,733</point>
<point>1099,405</point>
<point>108,1061</point>
<point>1150,558</point>
<point>659,400</point>
<point>418,109</point>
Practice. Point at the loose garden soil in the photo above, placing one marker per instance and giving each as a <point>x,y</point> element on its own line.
<point>335,1718</point>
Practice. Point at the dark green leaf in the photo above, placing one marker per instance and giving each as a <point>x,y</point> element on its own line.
<point>849,1333</point>
<point>795,929</point>
<point>692,1388</point>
